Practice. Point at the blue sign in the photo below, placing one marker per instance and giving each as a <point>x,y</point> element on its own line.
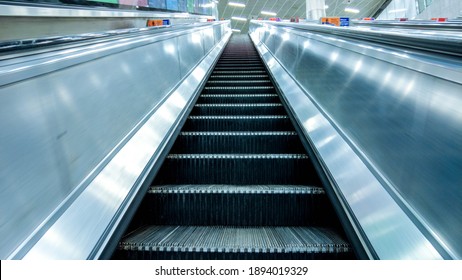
<point>344,21</point>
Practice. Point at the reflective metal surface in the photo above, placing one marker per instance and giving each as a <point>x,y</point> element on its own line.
<point>77,132</point>
<point>23,21</point>
<point>451,25</point>
<point>447,42</point>
<point>386,124</point>
<point>35,11</point>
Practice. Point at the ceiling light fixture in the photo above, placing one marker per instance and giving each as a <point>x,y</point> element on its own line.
<point>268,13</point>
<point>239,18</point>
<point>326,6</point>
<point>208,5</point>
<point>235,4</point>
<point>236,30</point>
<point>351,10</point>
<point>397,11</point>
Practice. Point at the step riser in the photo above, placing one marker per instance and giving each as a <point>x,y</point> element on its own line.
<point>237,61</point>
<point>238,110</point>
<point>239,83</point>
<point>202,209</point>
<point>237,90</point>
<point>233,68</point>
<point>275,144</point>
<point>237,99</point>
<point>224,77</point>
<point>237,125</point>
<point>253,171</point>
<point>156,255</point>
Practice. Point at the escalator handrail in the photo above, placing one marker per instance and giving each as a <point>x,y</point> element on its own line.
<point>449,43</point>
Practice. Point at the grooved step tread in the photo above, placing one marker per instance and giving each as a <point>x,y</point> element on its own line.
<point>237,142</point>
<point>238,76</point>
<point>237,156</point>
<point>238,81</point>
<point>239,95</point>
<point>238,133</point>
<point>262,117</point>
<point>239,105</point>
<point>223,239</point>
<point>239,87</point>
<point>237,189</point>
<point>238,71</point>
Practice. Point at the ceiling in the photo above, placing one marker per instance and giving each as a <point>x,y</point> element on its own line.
<point>286,9</point>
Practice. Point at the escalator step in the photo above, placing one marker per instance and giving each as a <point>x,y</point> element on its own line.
<point>217,77</point>
<point>237,205</point>
<point>238,89</point>
<point>241,68</point>
<point>237,189</point>
<point>226,61</point>
<point>240,83</point>
<point>238,109</point>
<point>243,64</point>
<point>276,142</point>
<point>237,169</point>
<point>220,242</point>
<point>238,123</point>
<point>239,98</point>
<point>232,72</point>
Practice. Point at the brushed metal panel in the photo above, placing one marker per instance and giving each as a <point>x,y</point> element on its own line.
<point>399,112</point>
<point>208,39</point>
<point>286,50</point>
<point>60,126</point>
<point>191,50</point>
<point>65,118</point>
<point>85,227</point>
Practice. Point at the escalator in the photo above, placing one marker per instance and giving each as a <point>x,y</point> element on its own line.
<point>237,183</point>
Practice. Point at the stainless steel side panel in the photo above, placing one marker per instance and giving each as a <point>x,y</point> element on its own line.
<point>191,50</point>
<point>387,125</point>
<point>67,137</point>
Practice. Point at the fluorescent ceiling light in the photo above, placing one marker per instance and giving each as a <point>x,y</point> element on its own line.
<point>236,30</point>
<point>208,5</point>
<point>397,10</point>
<point>351,10</point>
<point>326,6</point>
<point>268,13</point>
<point>235,4</point>
<point>239,18</point>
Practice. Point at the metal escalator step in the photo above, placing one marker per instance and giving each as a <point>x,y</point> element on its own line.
<point>243,64</point>
<point>237,205</point>
<point>249,53</point>
<point>218,77</point>
<point>221,242</point>
<point>238,123</point>
<point>239,98</point>
<point>248,58</point>
<point>236,189</point>
<point>238,109</point>
<point>224,61</point>
<point>240,68</point>
<point>264,82</point>
<point>238,89</point>
<point>277,142</point>
<point>238,72</point>
<point>237,169</point>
